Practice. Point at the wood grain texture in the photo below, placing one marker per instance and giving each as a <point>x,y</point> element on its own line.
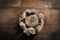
<point>10,10</point>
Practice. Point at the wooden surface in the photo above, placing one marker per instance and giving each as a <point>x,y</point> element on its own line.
<point>10,10</point>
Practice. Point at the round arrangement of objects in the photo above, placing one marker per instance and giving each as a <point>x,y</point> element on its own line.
<point>31,21</point>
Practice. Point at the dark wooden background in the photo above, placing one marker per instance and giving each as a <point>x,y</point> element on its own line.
<point>10,10</point>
